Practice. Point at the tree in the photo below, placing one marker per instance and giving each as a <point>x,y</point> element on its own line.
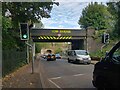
<point>14,13</point>
<point>26,11</point>
<point>114,9</point>
<point>8,41</point>
<point>95,15</point>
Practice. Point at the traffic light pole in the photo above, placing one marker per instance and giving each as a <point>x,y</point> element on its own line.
<point>103,47</point>
<point>27,53</point>
<point>24,34</point>
<point>33,54</point>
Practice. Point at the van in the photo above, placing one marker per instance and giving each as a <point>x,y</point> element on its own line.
<point>79,56</point>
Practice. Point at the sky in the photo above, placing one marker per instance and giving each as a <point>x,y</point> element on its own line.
<point>67,14</point>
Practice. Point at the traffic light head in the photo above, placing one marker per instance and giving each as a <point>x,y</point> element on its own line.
<point>105,38</point>
<point>24,31</point>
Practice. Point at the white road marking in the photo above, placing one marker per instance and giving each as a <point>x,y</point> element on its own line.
<point>54,84</point>
<point>78,74</point>
<point>55,78</point>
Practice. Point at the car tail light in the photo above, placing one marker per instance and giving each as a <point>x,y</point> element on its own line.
<point>53,56</point>
<point>48,56</point>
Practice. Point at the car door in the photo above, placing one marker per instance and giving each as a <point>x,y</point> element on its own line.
<point>111,68</point>
<point>114,76</point>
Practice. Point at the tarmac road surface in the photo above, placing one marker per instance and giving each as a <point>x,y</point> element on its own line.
<point>62,74</point>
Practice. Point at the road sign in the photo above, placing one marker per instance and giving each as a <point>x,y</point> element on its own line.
<point>59,34</point>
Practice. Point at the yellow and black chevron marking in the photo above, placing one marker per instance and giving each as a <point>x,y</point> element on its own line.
<point>55,37</point>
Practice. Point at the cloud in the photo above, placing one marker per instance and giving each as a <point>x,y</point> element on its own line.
<point>65,1</point>
<point>66,15</point>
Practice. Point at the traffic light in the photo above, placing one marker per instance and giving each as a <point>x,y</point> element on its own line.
<point>105,38</point>
<point>24,31</point>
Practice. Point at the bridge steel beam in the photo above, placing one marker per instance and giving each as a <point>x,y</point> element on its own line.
<point>78,36</point>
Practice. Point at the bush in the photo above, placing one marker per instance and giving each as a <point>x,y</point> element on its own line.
<point>59,50</point>
<point>12,60</point>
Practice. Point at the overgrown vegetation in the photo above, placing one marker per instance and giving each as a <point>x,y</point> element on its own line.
<point>103,19</point>
<point>102,52</point>
<point>39,46</point>
<point>14,13</point>
<point>95,15</point>
<point>114,9</point>
<point>58,50</point>
<point>12,60</point>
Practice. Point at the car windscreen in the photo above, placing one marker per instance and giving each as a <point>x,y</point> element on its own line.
<point>81,52</point>
<point>57,55</point>
<point>116,56</point>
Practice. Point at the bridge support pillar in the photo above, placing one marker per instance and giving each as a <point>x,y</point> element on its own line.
<point>77,44</point>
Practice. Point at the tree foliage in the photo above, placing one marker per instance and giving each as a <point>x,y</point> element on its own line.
<point>14,13</point>
<point>114,9</point>
<point>10,38</point>
<point>26,11</point>
<point>95,15</point>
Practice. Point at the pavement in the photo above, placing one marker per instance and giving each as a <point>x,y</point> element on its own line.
<point>93,62</point>
<point>23,77</point>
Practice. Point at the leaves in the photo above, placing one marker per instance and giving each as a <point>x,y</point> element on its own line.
<point>19,12</point>
<point>114,9</point>
<point>95,15</point>
<point>27,11</point>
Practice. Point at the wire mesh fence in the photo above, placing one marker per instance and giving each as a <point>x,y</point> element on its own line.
<point>12,59</point>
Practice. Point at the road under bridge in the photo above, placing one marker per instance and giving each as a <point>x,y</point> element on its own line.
<point>78,37</point>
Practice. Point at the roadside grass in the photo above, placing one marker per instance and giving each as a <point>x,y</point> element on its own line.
<point>101,52</point>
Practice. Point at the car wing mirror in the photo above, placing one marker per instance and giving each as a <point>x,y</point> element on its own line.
<point>74,53</point>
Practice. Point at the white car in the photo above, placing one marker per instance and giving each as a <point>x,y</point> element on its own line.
<point>79,56</point>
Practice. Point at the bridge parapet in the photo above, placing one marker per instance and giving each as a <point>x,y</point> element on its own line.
<point>56,32</point>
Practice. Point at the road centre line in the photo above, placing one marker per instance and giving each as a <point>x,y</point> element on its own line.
<point>55,78</point>
<point>54,84</point>
<point>78,75</point>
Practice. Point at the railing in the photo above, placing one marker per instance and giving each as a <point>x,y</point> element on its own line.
<point>11,60</point>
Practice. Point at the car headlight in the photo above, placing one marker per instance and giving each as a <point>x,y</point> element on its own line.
<point>89,58</point>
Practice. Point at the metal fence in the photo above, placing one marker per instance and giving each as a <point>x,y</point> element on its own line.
<point>11,60</point>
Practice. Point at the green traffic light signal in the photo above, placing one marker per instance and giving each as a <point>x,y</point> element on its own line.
<point>25,36</point>
<point>24,31</point>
